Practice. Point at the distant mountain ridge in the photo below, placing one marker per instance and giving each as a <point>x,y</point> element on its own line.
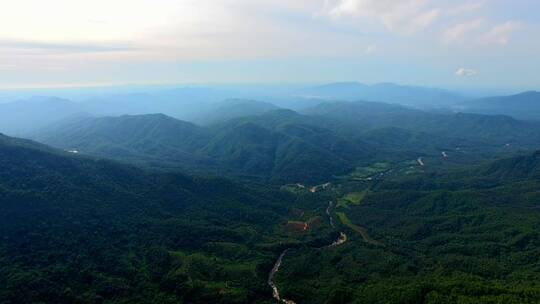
<point>492,129</point>
<point>420,97</point>
<point>524,105</point>
<point>324,141</point>
<point>233,108</point>
<point>24,116</point>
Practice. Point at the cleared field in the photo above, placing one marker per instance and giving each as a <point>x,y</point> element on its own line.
<point>296,226</point>
<point>361,230</point>
<point>365,172</point>
<point>353,198</point>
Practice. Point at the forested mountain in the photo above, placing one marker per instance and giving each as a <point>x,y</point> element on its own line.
<point>80,230</point>
<point>277,145</point>
<point>142,236</point>
<point>423,214</point>
<point>524,106</point>
<point>495,130</point>
<point>282,145</point>
<point>151,138</point>
<point>293,144</point>
<point>517,168</point>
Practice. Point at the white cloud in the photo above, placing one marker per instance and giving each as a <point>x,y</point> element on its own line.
<point>500,34</point>
<point>479,32</point>
<point>82,34</point>
<point>465,72</point>
<point>459,33</point>
<point>467,7</point>
<point>406,16</point>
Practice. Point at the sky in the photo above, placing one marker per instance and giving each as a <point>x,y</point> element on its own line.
<point>448,43</point>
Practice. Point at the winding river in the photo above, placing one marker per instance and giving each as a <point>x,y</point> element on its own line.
<point>329,215</point>
<point>275,269</point>
<point>275,291</point>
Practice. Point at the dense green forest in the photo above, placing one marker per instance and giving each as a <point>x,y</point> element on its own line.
<point>459,237</point>
<point>363,202</point>
<point>80,230</point>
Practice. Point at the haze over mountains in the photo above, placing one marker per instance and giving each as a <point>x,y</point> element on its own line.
<point>384,92</point>
<point>210,105</point>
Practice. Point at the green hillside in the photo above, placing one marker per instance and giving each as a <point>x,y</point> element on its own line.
<point>277,146</point>
<point>79,230</point>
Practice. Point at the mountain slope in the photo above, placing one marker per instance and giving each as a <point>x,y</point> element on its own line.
<point>151,137</point>
<point>286,146</point>
<point>516,168</point>
<point>79,230</point>
<point>279,145</point>
<point>299,147</point>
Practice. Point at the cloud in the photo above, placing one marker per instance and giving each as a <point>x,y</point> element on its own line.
<point>467,7</point>
<point>459,33</point>
<point>500,34</point>
<point>406,17</point>
<point>64,48</point>
<point>8,67</point>
<point>465,72</point>
<point>479,32</point>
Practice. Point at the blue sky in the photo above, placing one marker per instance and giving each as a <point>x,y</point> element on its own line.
<point>457,43</point>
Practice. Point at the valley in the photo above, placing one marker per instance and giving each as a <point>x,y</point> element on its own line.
<point>339,241</point>
<point>270,152</point>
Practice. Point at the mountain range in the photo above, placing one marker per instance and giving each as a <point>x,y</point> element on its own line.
<point>525,106</point>
<point>211,105</point>
<point>419,97</point>
<point>327,140</point>
<point>80,229</point>
<point>274,145</point>
<point>336,202</point>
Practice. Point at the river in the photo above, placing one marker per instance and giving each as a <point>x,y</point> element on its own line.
<point>275,291</point>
